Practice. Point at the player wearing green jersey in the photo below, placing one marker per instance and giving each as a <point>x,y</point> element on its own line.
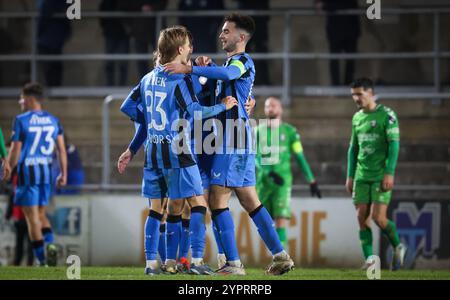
<point>277,141</point>
<point>372,158</point>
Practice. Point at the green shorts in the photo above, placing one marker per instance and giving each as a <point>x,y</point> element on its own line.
<point>276,199</point>
<point>366,192</point>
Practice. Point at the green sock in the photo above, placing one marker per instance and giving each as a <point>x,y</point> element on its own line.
<point>282,235</point>
<point>365,236</point>
<point>391,232</point>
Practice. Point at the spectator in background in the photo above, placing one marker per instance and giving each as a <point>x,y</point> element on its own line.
<point>203,29</point>
<point>117,41</point>
<point>342,34</point>
<point>142,30</point>
<point>260,41</point>
<point>75,171</point>
<point>52,33</point>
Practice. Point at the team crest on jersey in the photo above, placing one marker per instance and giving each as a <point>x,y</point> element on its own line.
<point>373,123</point>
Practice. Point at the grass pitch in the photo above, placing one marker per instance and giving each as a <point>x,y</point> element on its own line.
<point>137,273</point>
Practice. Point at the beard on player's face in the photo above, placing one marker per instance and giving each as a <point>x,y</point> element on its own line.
<point>273,114</point>
<point>230,43</point>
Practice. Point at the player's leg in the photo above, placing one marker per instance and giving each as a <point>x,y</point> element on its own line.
<point>365,232</point>
<point>361,200</point>
<point>154,189</point>
<point>34,230</point>
<point>244,168</point>
<point>281,210</point>
<point>268,195</point>
<point>185,183</point>
<point>218,201</point>
<point>204,165</point>
<point>248,198</point>
<point>45,192</point>
<point>173,232</point>
<point>162,239</point>
<point>221,258</point>
<point>46,226</point>
<point>27,197</point>
<point>151,234</point>
<point>47,233</point>
<point>381,200</point>
<point>185,240</point>
<point>281,228</point>
<point>198,229</point>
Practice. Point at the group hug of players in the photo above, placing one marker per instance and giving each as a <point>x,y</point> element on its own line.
<point>182,179</point>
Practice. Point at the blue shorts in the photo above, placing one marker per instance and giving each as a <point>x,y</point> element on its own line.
<point>183,182</point>
<point>204,162</point>
<point>173,183</point>
<point>33,195</point>
<point>233,170</point>
<point>153,184</point>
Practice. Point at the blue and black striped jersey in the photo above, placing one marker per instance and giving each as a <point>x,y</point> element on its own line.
<point>38,131</point>
<point>235,78</point>
<point>168,103</point>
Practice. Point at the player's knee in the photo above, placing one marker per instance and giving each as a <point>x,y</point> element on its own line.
<point>176,207</point>
<point>380,220</point>
<point>34,222</point>
<point>250,203</point>
<point>196,201</point>
<point>157,206</point>
<point>362,221</point>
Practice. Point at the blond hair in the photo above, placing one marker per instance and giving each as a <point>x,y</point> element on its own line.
<point>170,39</point>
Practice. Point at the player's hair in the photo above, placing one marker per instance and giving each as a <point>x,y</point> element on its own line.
<point>243,22</point>
<point>169,40</point>
<point>155,59</point>
<point>363,82</point>
<point>33,89</point>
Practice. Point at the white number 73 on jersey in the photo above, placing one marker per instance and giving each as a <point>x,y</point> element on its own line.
<point>160,97</point>
<point>48,130</point>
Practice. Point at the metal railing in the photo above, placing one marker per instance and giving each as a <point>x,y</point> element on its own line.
<point>286,55</point>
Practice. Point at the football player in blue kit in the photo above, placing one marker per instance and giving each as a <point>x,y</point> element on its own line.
<point>165,105</point>
<point>233,166</point>
<point>36,135</point>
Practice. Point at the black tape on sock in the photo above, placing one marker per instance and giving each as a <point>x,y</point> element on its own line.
<point>255,211</point>
<point>216,212</point>
<point>155,215</point>
<point>173,218</point>
<point>199,209</point>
